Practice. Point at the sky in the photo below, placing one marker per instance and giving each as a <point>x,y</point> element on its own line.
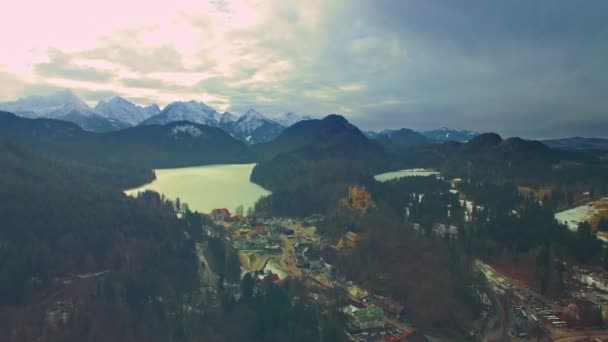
<point>532,68</point>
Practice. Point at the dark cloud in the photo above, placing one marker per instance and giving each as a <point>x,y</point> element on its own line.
<point>517,67</point>
<point>533,68</point>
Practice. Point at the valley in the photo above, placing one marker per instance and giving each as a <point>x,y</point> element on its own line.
<point>303,171</point>
<point>371,239</point>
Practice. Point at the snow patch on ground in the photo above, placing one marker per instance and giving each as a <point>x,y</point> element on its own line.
<point>572,217</point>
<point>186,130</point>
<point>405,173</point>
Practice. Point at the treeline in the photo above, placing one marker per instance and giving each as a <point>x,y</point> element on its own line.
<point>127,156</point>
<point>80,261</point>
<point>302,187</point>
<point>429,276</point>
<point>74,245</point>
<point>518,231</point>
<point>278,312</point>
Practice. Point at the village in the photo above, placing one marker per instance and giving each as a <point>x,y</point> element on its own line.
<point>274,249</point>
<point>277,248</point>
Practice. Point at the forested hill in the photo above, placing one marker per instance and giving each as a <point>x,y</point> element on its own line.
<point>76,253</point>
<point>80,261</point>
<point>155,146</point>
<point>330,135</point>
<point>311,164</point>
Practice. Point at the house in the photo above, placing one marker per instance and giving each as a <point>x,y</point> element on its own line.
<point>221,214</point>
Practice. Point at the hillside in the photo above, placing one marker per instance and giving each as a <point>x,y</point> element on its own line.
<point>400,138</point>
<point>311,163</point>
<point>77,253</point>
<point>445,134</point>
<point>150,146</point>
<point>253,127</point>
<point>63,105</point>
<point>119,109</point>
<point>578,144</point>
<point>332,134</point>
<point>489,157</point>
<point>173,145</point>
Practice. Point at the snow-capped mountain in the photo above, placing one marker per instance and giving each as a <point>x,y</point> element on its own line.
<point>288,118</point>
<point>448,134</point>
<point>227,121</point>
<point>62,105</point>
<point>122,110</point>
<point>93,122</point>
<point>228,117</point>
<point>197,112</point>
<point>253,127</point>
<point>49,106</point>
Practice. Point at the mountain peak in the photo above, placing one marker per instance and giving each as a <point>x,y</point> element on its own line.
<point>252,113</point>
<point>516,144</point>
<point>254,127</point>
<point>153,108</point>
<point>60,97</point>
<point>121,109</point>
<point>193,111</point>
<point>119,100</point>
<point>486,140</point>
<point>336,119</point>
<point>228,117</point>
<point>52,105</point>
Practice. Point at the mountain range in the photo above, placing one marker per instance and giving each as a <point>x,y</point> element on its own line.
<point>118,113</point>
<point>330,146</point>
<point>407,137</point>
<point>66,106</point>
<point>149,146</point>
<point>252,127</point>
<point>578,144</point>
<point>122,110</point>
<point>450,134</point>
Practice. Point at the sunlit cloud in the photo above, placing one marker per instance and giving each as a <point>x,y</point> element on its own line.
<point>413,63</point>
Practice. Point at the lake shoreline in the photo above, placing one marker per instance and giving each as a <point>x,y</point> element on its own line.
<point>206,187</point>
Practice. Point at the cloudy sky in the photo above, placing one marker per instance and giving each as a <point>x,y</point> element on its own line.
<point>534,68</point>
